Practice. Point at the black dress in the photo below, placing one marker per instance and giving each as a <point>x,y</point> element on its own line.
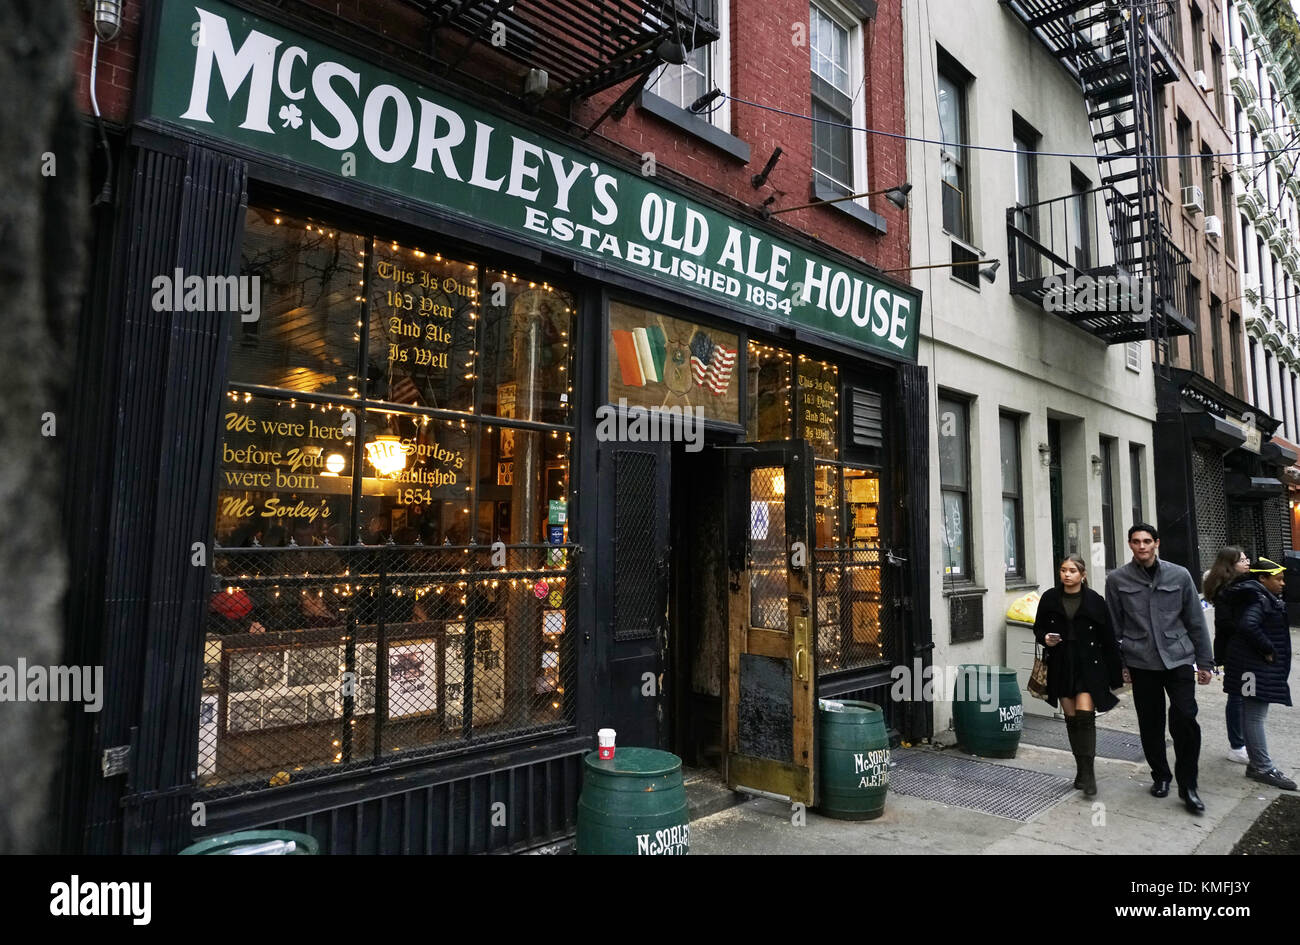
<point>1087,658</point>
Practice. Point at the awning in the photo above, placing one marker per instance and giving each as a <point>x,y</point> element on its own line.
<point>1276,454</point>
<point>1211,428</point>
<point>1241,486</point>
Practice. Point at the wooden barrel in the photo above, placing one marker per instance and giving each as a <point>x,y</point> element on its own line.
<point>987,711</point>
<point>853,759</point>
<point>633,805</point>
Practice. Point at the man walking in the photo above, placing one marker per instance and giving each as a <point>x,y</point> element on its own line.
<point>1158,621</point>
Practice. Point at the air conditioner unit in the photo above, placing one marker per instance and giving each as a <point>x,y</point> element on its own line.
<point>1202,80</point>
<point>1193,199</point>
<point>1214,227</point>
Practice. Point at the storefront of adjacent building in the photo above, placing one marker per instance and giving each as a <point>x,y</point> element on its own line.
<point>421,442</point>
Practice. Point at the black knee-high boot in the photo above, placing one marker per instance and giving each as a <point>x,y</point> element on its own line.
<point>1085,729</point>
<point>1072,732</point>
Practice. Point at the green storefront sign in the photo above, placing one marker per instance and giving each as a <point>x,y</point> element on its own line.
<point>234,76</point>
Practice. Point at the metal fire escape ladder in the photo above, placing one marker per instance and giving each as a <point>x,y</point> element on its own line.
<point>1108,48</point>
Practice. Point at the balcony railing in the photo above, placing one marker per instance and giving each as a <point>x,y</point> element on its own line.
<point>1052,245</point>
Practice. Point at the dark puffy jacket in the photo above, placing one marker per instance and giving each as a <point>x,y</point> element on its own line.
<point>1260,631</point>
<point>1225,616</point>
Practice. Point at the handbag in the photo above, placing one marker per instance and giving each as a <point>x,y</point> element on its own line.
<point>1038,675</point>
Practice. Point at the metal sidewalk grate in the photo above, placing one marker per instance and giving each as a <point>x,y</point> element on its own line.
<point>1111,743</point>
<point>1002,791</point>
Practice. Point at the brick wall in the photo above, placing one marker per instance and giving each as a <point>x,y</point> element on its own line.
<point>117,65</point>
<point>766,67</point>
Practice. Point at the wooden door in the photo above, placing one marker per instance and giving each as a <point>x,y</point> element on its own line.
<point>771,696</point>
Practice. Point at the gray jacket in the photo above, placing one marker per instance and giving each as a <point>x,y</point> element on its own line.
<point>1158,623</point>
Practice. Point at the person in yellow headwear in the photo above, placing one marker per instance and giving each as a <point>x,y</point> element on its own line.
<point>1259,661</point>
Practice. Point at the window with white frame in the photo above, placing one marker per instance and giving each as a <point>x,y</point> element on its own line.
<point>838,102</point>
<point>706,68</point>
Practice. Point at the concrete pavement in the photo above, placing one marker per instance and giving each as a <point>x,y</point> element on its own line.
<point>1122,819</point>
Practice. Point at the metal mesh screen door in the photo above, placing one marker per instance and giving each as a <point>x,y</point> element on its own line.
<point>771,648</point>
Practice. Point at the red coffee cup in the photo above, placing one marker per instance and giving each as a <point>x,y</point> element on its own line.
<point>605,744</point>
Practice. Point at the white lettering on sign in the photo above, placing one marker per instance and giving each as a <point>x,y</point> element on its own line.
<point>1012,717</point>
<point>873,766</point>
<point>671,841</point>
<point>397,134</point>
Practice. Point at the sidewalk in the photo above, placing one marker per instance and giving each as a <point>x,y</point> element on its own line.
<point>1122,819</point>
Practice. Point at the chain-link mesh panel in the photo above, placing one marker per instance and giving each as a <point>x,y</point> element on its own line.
<point>1211,504</point>
<point>769,585</point>
<point>857,621</point>
<point>324,659</point>
<point>1245,528</point>
<point>636,592</point>
<point>1277,526</point>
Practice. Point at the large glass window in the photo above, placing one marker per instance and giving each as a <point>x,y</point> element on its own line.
<point>954,488</point>
<point>1012,497</point>
<point>954,172</point>
<point>836,72</point>
<point>393,413</point>
<point>706,68</point>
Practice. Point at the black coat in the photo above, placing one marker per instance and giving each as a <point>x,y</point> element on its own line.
<point>1260,631</point>
<point>1225,616</point>
<point>1100,663</point>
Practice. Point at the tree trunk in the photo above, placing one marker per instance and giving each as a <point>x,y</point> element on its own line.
<point>43,226</point>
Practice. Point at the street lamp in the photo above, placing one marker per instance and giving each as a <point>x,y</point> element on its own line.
<point>896,195</point>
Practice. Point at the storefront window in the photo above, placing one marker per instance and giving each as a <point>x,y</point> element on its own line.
<point>770,412</point>
<point>423,309</point>
<point>361,609</point>
<point>310,277</point>
<point>817,403</point>
<point>658,362</point>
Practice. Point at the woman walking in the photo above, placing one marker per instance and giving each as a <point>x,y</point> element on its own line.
<point>1259,661</point>
<point>1231,564</point>
<point>1082,658</point>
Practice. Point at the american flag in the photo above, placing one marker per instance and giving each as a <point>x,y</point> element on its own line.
<point>403,390</point>
<point>711,363</point>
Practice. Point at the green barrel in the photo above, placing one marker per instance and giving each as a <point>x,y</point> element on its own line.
<point>253,842</point>
<point>853,760</point>
<point>987,711</point>
<point>633,805</point>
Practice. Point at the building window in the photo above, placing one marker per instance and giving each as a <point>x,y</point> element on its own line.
<point>1184,131</point>
<point>1013,529</point>
<point>1107,445</point>
<point>370,455</point>
<point>1216,58</point>
<point>1245,243</point>
<point>1133,355</point>
<point>838,101</point>
<point>1216,339</point>
<point>1229,232</point>
<point>706,68</point>
<point>1193,314</point>
<point>953,82</point>
<point>1162,167</point>
<point>1207,179</point>
<point>954,487</point>
<point>1198,39</point>
<point>1135,477</point>
<point>1025,140</point>
<point>1235,353</point>
<point>1080,221</point>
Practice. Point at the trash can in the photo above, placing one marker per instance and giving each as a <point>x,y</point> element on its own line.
<point>852,758</point>
<point>255,843</point>
<point>633,805</point>
<point>987,711</point>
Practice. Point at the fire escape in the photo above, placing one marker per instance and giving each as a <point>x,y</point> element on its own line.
<point>1121,53</point>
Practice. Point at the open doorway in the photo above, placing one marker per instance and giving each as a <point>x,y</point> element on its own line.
<point>698,605</point>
